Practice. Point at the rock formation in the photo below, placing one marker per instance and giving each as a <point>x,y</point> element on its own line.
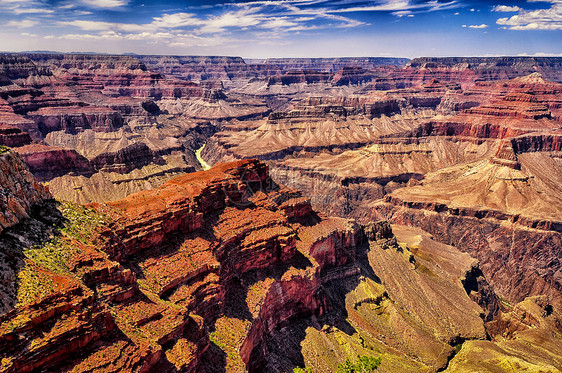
<point>474,157</point>
<point>213,269</point>
<point>20,190</point>
<point>441,176</point>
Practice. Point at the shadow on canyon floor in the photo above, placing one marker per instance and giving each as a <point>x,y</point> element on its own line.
<point>45,222</point>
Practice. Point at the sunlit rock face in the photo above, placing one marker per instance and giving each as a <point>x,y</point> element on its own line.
<point>408,210</point>
<point>224,269</point>
<point>19,189</point>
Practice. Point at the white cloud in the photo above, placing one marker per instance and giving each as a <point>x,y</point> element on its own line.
<point>166,38</point>
<point>540,54</point>
<point>24,7</point>
<point>105,3</point>
<point>401,5</point>
<point>32,10</point>
<point>241,18</point>
<point>25,23</point>
<point>273,18</point>
<point>278,23</point>
<point>539,19</point>
<point>402,13</point>
<point>175,20</point>
<point>483,25</point>
<point>150,35</point>
<point>164,22</point>
<point>102,26</point>
<point>110,35</point>
<point>506,8</point>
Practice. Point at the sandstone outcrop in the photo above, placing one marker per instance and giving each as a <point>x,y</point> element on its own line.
<point>12,136</point>
<point>484,158</point>
<point>60,99</point>
<point>190,271</point>
<point>75,119</point>
<point>47,162</point>
<point>516,347</point>
<point>500,209</point>
<point>234,71</point>
<point>491,68</point>
<point>334,64</point>
<point>20,190</point>
<point>213,269</point>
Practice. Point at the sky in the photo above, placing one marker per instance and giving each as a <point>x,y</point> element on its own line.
<point>285,28</point>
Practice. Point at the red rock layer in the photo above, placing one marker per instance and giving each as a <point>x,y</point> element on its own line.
<point>19,190</point>
<point>487,68</point>
<point>75,119</point>
<point>300,76</point>
<point>234,69</point>
<point>224,229</point>
<point>13,137</point>
<point>47,162</point>
<point>518,255</point>
<point>118,76</point>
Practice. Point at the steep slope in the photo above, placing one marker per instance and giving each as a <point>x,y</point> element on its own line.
<point>489,68</point>
<point>224,270</point>
<point>19,189</point>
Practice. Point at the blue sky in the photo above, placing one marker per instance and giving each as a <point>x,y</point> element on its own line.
<point>285,28</point>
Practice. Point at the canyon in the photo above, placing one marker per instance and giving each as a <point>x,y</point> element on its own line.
<point>384,207</point>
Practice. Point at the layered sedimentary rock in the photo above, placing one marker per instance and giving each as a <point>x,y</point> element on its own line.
<point>59,100</point>
<point>111,184</point>
<point>199,68</point>
<point>501,210</point>
<point>116,76</point>
<point>47,162</point>
<point>326,145</point>
<point>334,64</point>
<point>484,157</point>
<point>232,70</point>
<point>132,159</point>
<point>527,322</point>
<point>20,190</point>
<point>214,269</point>
<point>12,136</point>
<point>74,119</point>
<point>20,68</point>
<point>228,269</point>
<point>490,68</point>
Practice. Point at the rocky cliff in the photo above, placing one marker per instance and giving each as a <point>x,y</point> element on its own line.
<point>472,162</point>
<point>232,70</point>
<point>228,270</point>
<point>20,190</point>
<point>334,64</point>
<point>12,136</point>
<point>59,100</point>
<point>225,270</point>
<point>495,68</point>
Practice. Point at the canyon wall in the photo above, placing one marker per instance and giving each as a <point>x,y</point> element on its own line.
<point>176,269</point>
<point>20,190</point>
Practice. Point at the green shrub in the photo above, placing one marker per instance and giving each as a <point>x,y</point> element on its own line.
<point>302,370</point>
<point>52,257</point>
<point>364,364</point>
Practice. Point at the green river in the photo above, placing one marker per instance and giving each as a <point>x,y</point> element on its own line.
<point>201,161</point>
